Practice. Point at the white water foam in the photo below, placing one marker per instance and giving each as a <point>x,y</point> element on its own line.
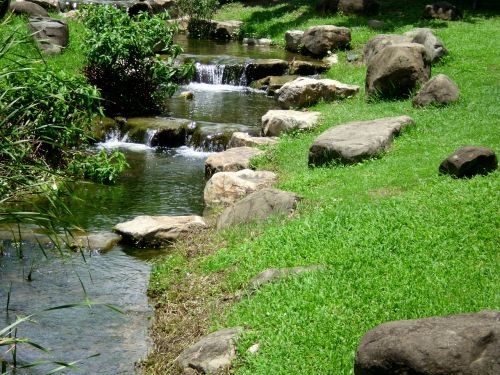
<point>191,153</point>
<point>195,86</point>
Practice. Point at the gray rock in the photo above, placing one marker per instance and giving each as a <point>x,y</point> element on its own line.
<point>304,92</point>
<point>28,8</point>
<point>96,241</point>
<point>379,42</point>
<point>158,131</point>
<point>293,40</point>
<point>273,274</point>
<point>442,10</point>
<point>231,160</point>
<point>469,161</point>
<point>51,35</point>
<point>262,68</point>
<point>307,68</point>
<point>358,7</point>
<point>271,84</point>
<point>439,90</point>
<point>319,40</point>
<point>258,207</point>
<point>257,41</point>
<point>225,188</point>
<point>226,29</point>
<point>352,142</point>
<point>376,24</point>
<point>157,230</point>
<point>49,5</point>
<point>397,70</point>
<point>331,60</point>
<point>212,353</point>
<point>214,136</point>
<point>456,344</point>
<point>434,46</point>
<point>240,139</point>
<point>276,122</point>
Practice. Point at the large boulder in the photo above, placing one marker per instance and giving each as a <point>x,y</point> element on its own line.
<point>158,131</point>
<point>307,68</point>
<point>49,5</point>
<point>240,139</point>
<point>457,344</point>
<point>211,354</point>
<point>352,142</point>
<point>51,35</point>
<point>469,161</point>
<point>293,40</point>
<point>434,46</point>
<point>157,230</point>
<point>397,70</point>
<point>276,122</point>
<point>28,8</point>
<point>442,10</point>
<point>305,91</point>
<point>319,40</point>
<point>358,7</point>
<point>231,160</point>
<point>262,68</point>
<point>439,90</point>
<point>257,207</point>
<point>225,188</point>
<point>272,84</point>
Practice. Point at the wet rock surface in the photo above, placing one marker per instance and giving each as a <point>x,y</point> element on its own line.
<point>261,68</point>
<point>96,241</point>
<point>456,344</point>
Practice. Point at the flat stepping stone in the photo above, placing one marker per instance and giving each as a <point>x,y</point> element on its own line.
<point>274,274</point>
<point>352,142</point>
<point>304,91</point>
<point>211,354</point>
<point>258,207</point>
<point>231,160</point>
<point>157,230</point>
<point>456,344</point>
<point>240,139</point>
<point>228,187</point>
<point>276,122</point>
<point>96,241</point>
<point>469,161</point>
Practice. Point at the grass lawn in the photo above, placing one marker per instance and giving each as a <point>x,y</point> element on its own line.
<point>398,240</point>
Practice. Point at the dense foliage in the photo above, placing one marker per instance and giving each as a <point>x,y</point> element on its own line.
<point>200,13</point>
<point>122,61</point>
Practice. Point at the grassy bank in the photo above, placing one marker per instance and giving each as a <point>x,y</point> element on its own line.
<point>399,241</point>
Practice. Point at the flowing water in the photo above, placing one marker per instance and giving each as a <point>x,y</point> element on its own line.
<point>160,181</point>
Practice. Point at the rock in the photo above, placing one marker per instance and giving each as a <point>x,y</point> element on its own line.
<point>352,57</point>
<point>456,344</point>
<point>376,24</point>
<point>231,160</point>
<point>276,122</point>
<point>51,35</point>
<point>157,230</point>
<point>304,92</point>
<point>319,40</point>
<point>159,6</point>
<point>273,274</point>
<point>397,70</point>
<point>96,241</point>
<point>261,68</point>
<point>258,207</point>
<point>70,15</point>
<point>158,131</point>
<point>215,137</point>
<point>240,139</point>
<point>48,5</point>
<point>331,60</point>
<point>469,161</point>
<point>212,353</point>
<point>28,8</point>
<point>358,7</point>
<point>442,10</point>
<point>228,187</point>
<point>307,68</point>
<point>439,90</point>
<point>378,42</point>
<point>272,83</point>
<point>352,142</point>
<point>434,46</point>
<point>188,95</point>
<point>293,40</point>
<point>139,7</point>
<point>226,29</point>
<point>257,41</point>
<point>254,349</point>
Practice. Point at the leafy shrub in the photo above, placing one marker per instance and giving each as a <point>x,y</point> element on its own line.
<point>122,61</point>
<point>200,13</point>
<point>101,167</point>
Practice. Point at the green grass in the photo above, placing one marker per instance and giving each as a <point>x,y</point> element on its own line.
<point>399,241</point>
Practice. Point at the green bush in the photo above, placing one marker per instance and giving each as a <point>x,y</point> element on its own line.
<point>200,13</point>
<point>121,59</point>
<point>101,167</point>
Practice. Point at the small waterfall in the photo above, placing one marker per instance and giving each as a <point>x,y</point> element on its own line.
<point>220,74</point>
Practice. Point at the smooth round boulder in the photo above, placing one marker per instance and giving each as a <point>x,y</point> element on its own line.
<point>319,40</point>
<point>439,90</point>
<point>469,161</point>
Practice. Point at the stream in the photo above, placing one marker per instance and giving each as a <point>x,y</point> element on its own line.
<point>160,181</point>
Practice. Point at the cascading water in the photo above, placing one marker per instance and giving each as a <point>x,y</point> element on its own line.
<point>221,74</point>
